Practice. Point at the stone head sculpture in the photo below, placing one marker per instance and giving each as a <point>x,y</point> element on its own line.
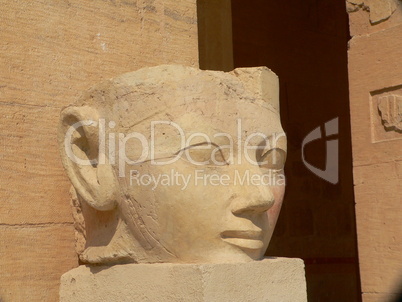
<point>175,164</point>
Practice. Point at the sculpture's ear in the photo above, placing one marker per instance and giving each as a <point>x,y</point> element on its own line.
<point>86,165</point>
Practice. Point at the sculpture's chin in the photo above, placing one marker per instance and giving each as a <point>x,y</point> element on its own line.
<point>248,244</point>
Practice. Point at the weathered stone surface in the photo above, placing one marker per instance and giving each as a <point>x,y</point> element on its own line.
<point>375,80</point>
<point>373,69</point>
<point>33,185</point>
<point>33,257</point>
<point>271,280</point>
<point>50,51</point>
<point>390,108</point>
<point>371,16</point>
<point>380,10</point>
<point>378,190</point>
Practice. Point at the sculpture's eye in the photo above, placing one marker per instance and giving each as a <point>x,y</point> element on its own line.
<point>221,156</point>
<point>273,159</point>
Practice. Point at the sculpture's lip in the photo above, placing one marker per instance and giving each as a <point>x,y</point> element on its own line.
<point>247,234</point>
<point>244,239</point>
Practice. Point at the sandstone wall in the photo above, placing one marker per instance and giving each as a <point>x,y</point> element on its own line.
<point>50,51</point>
<point>375,77</point>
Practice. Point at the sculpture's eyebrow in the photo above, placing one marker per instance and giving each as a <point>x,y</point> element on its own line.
<point>202,144</point>
<point>196,145</point>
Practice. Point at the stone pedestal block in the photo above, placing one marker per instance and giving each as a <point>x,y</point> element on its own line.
<point>276,279</point>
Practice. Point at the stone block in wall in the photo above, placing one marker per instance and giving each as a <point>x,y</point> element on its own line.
<point>375,71</point>
<point>370,16</point>
<point>33,186</point>
<point>375,77</point>
<point>33,257</point>
<point>378,191</point>
<point>51,51</point>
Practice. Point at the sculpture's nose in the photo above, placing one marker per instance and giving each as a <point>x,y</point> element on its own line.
<point>252,200</point>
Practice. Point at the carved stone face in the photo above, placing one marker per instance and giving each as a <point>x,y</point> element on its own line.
<point>201,211</point>
<point>206,187</point>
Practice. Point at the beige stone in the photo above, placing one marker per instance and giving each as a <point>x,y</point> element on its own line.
<point>219,132</point>
<point>271,280</point>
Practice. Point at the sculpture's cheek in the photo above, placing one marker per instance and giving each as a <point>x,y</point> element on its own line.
<point>274,211</point>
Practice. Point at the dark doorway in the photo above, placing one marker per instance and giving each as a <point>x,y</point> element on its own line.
<point>305,44</point>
